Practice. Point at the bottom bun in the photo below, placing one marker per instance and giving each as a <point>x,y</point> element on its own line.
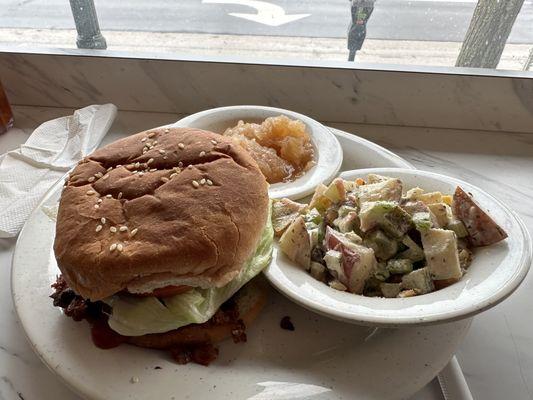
<point>250,300</point>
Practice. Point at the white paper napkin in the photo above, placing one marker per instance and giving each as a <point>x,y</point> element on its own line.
<point>52,150</point>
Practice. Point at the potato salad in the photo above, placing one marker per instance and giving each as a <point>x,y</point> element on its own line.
<point>372,238</point>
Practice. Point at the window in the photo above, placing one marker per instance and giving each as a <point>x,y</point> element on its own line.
<point>465,33</point>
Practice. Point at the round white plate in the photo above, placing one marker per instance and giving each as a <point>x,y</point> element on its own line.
<point>328,151</point>
<point>496,271</point>
<point>322,359</point>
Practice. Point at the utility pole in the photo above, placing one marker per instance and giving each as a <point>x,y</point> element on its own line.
<point>487,34</point>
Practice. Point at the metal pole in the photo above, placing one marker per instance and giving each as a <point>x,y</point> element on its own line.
<point>529,62</point>
<point>86,20</point>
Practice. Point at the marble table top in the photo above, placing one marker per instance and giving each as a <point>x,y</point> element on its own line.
<point>497,354</point>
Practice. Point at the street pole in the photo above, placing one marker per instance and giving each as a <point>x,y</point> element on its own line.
<point>529,63</point>
<point>86,20</point>
<point>487,34</point>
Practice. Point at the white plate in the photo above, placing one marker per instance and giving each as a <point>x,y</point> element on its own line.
<point>328,151</point>
<point>321,359</point>
<point>496,270</point>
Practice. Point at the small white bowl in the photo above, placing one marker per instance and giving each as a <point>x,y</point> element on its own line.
<point>495,273</point>
<point>328,151</point>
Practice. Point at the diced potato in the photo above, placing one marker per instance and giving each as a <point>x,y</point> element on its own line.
<point>441,284</point>
<point>442,213</point>
<point>442,257</point>
<point>430,198</point>
<point>336,191</point>
<point>319,201</point>
<point>335,284</point>
<point>295,243</point>
<point>483,230</point>
<point>386,190</point>
<point>407,293</point>
<point>284,211</point>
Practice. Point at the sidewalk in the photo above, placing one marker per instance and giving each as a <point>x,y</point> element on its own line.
<point>266,47</point>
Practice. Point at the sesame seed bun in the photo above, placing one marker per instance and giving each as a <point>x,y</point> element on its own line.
<point>169,206</point>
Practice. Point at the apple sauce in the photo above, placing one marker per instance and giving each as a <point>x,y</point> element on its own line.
<point>281,147</point>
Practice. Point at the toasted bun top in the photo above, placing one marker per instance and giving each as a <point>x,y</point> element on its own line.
<point>167,206</point>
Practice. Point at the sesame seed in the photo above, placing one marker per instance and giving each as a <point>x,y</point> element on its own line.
<point>189,166</point>
<point>119,195</point>
<point>90,192</point>
<point>165,157</point>
<point>151,134</point>
<point>113,229</point>
<point>144,139</point>
<point>180,164</point>
<point>161,151</point>
<point>145,150</point>
<point>105,177</point>
<point>118,166</point>
<point>134,232</point>
<point>195,184</point>
<point>103,220</point>
<point>214,142</point>
<point>137,165</point>
<point>173,175</point>
<point>141,173</point>
<point>91,179</point>
<point>113,247</point>
<point>155,142</point>
<point>202,181</point>
<point>181,146</point>
<point>164,179</point>
<point>202,153</point>
<point>209,182</point>
<point>98,174</point>
<point>120,247</point>
<point>123,228</point>
<point>98,228</point>
<point>96,206</point>
<point>151,160</point>
<point>99,201</point>
<point>167,130</point>
<point>109,169</point>
<point>153,170</point>
<point>108,196</point>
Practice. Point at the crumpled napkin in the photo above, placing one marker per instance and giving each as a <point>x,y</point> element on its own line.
<point>50,152</point>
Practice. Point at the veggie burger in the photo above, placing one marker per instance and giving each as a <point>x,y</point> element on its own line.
<point>158,236</point>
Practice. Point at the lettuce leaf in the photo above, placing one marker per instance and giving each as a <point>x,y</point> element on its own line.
<point>135,316</point>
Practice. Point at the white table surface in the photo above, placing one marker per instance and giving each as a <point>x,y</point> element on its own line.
<point>497,354</point>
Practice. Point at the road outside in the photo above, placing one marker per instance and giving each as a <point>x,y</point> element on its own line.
<point>395,25</point>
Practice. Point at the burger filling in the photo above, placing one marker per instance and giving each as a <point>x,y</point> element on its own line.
<point>136,316</point>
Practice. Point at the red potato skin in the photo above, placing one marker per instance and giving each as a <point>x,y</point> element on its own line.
<point>482,229</point>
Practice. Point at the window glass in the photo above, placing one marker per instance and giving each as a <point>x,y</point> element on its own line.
<point>484,33</point>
